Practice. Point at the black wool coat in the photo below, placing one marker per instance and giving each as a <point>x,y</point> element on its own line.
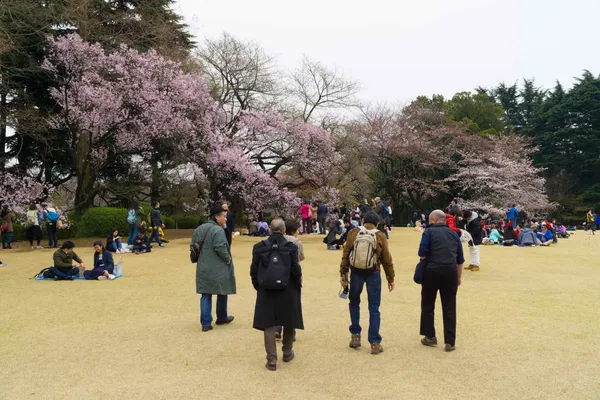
<point>277,307</point>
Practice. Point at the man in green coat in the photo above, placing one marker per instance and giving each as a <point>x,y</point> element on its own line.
<point>214,270</point>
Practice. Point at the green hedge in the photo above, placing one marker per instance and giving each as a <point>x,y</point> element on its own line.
<point>169,222</point>
<point>100,221</point>
<point>189,222</point>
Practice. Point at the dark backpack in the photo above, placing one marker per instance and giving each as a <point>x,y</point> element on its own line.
<point>45,273</point>
<point>275,266</point>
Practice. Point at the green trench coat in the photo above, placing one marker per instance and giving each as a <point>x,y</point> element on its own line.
<point>214,270</point>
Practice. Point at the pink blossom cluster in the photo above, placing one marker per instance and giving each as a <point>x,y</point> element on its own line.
<point>17,190</point>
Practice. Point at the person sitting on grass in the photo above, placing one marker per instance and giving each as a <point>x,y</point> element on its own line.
<point>103,264</point>
<point>65,262</point>
<point>494,237</point>
<point>545,235</point>
<point>113,242</point>
<point>262,229</point>
<point>332,242</point>
<point>141,243</point>
<point>509,236</point>
<point>527,236</point>
<point>561,232</point>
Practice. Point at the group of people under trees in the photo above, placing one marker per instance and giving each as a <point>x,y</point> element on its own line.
<point>35,218</point>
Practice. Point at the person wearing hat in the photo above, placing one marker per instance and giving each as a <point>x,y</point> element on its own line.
<point>214,269</point>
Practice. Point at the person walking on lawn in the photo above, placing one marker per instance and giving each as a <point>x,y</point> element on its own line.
<point>277,278</point>
<point>156,222</point>
<point>214,269</point>
<point>366,250</point>
<point>442,251</point>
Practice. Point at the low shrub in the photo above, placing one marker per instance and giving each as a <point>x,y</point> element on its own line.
<point>169,222</point>
<point>190,222</point>
<point>100,221</point>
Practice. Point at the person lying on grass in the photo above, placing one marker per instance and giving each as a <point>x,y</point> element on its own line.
<point>103,264</point>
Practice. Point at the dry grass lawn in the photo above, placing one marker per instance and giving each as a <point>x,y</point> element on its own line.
<point>528,328</point>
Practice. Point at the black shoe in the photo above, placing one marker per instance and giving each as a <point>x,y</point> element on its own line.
<point>69,278</point>
<point>227,320</point>
<point>429,341</point>
<point>271,367</point>
<point>449,348</point>
<point>288,357</point>
<point>207,328</point>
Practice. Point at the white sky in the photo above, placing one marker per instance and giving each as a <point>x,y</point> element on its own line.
<point>402,49</point>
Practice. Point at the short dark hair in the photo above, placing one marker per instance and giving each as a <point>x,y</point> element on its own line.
<point>154,203</point>
<point>291,227</point>
<point>98,243</point>
<point>67,245</point>
<point>371,218</point>
<point>142,230</point>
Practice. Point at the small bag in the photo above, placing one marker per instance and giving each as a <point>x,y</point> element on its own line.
<point>419,276</point>
<point>196,248</point>
<point>4,227</point>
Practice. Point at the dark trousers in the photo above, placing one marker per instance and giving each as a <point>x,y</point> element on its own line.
<point>155,235</point>
<point>321,220</point>
<point>271,343</point>
<point>62,273</point>
<point>446,281</point>
<point>52,235</point>
<point>306,225</point>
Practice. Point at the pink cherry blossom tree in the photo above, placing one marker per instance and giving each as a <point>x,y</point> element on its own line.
<point>18,190</point>
<point>119,103</point>
<point>500,173</point>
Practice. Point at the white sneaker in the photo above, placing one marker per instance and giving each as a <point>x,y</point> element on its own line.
<point>102,278</point>
<point>111,277</point>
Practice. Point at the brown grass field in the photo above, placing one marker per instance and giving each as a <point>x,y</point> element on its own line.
<point>528,328</point>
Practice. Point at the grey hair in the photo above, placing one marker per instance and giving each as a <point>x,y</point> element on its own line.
<point>438,215</point>
<point>277,225</point>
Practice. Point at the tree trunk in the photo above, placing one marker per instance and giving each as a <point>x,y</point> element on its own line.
<point>3,124</point>
<point>155,184</point>
<point>86,177</point>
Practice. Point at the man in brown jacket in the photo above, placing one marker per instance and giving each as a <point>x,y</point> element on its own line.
<point>366,271</point>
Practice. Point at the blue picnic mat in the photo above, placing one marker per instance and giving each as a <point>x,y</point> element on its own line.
<point>76,278</point>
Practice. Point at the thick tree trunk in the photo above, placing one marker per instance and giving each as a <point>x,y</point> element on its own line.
<point>86,177</point>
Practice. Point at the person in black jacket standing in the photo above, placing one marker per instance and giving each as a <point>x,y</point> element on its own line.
<point>230,225</point>
<point>282,307</point>
<point>156,221</point>
<point>442,251</point>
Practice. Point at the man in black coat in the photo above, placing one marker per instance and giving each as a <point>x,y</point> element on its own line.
<point>277,307</point>
<point>230,225</point>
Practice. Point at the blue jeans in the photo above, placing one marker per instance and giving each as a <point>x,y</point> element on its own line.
<point>206,308</point>
<point>114,246</point>
<point>133,231</point>
<point>373,281</point>
<point>52,235</point>
<point>7,238</point>
<point>62,273</point>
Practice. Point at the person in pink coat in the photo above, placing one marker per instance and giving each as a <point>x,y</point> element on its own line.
<point>305,213</point>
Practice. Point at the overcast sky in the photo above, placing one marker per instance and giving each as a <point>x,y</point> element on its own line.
<point>401,49</point>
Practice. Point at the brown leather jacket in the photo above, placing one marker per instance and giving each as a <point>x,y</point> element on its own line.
<point>383,252</point>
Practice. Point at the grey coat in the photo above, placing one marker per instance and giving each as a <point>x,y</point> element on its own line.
<point>214,270</point>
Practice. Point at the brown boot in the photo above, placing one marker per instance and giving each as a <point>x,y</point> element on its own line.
<point>355,341</point>
<point>469,267</point>
<point>376,348</point>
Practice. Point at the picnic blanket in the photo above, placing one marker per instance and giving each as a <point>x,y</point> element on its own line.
<point>77,278</point>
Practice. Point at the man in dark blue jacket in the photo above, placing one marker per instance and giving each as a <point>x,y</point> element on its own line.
<point>442,250</point>
<point>156,221</point>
